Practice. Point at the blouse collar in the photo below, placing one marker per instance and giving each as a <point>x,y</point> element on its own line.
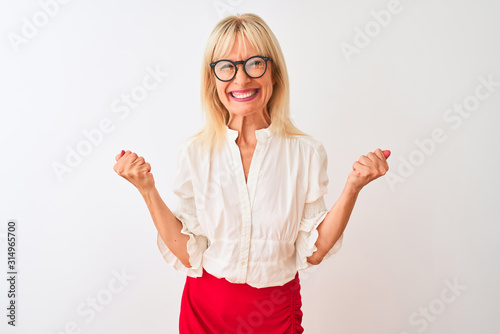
<point>259,133</point>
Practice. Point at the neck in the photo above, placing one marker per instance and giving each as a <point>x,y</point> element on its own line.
<point>247,125</point>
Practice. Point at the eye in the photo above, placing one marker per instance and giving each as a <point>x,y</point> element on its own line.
<point>226,66</point>
<point>256,62</point>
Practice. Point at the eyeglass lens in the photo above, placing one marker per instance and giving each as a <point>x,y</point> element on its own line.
<point>254,67</point>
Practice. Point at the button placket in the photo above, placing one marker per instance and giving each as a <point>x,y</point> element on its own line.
<point>253,176</point>
<point>246,192</point>
<point>244,240</point>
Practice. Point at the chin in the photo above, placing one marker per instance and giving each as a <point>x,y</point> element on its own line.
<point>243,111</point>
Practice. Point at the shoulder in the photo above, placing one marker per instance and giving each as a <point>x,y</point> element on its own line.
<point>309,144</point>
<point>190,146</point>
<point>192,152</point>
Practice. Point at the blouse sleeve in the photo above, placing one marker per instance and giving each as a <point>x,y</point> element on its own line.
<point>186,213</point>
<point>314,211</point>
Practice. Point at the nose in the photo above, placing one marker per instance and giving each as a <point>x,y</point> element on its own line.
<point>241,77</point>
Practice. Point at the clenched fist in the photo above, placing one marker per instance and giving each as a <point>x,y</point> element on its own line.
<point>368,168</point>
<point>135,170</point>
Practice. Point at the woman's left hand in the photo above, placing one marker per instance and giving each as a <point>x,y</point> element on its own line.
<point>368,168</point>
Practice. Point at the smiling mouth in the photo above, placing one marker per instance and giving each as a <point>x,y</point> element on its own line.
<point>245,95</point>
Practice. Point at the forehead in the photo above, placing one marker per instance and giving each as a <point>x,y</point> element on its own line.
<point>239,49</point>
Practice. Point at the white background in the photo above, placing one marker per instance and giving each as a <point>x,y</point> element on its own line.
<point>432,219</point>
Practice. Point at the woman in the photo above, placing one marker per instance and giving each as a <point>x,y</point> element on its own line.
<point>251,212</point>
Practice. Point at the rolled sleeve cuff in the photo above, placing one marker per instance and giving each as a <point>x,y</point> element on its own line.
<point>314,214</point>
<point>196,246</point>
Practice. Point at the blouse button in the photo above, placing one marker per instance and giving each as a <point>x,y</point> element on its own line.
<point>243,263</point>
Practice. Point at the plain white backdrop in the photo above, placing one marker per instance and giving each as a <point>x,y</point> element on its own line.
<point>81,80</point>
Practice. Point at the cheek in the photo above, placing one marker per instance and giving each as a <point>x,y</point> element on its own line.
<point>221,91</point>
<point>269,89</point>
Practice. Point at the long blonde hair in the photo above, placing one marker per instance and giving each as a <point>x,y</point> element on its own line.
<point>219,44</point>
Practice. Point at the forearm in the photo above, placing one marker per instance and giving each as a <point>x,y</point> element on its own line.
<point>334,224</point>
<point>168,226</point>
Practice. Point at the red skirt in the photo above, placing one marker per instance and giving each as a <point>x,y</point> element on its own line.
<point>215,305</point>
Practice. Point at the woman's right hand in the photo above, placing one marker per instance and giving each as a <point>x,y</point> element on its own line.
<point>135,170</point>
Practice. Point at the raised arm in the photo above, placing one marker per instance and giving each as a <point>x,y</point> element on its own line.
<point>138,172</point>
<point>365,170</point>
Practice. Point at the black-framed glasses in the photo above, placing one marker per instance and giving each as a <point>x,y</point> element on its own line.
<point>225,70</point>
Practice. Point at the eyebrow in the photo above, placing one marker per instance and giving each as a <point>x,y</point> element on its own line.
<point>227,58</point>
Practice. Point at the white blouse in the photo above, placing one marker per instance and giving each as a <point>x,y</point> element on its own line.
<point>258,232</point>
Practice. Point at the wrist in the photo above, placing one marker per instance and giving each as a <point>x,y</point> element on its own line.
<point>147,193</point>
<point>351,189</point>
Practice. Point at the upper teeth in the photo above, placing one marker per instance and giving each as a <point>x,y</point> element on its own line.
<point>242,96</point>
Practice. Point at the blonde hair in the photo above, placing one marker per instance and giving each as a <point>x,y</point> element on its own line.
<point>219,44</point>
